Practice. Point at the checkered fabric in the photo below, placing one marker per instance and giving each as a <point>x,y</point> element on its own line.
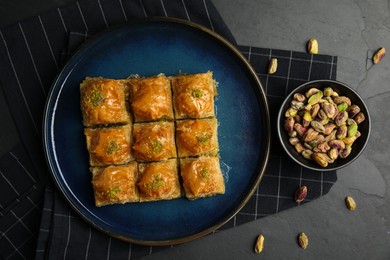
<point>32,53</point>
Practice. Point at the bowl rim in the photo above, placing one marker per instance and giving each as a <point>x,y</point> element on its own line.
<point>281,113</point>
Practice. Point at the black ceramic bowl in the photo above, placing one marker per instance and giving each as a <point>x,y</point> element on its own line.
<point>357,147</point>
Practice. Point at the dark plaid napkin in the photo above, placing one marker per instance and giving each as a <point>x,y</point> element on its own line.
<point>32,53</point>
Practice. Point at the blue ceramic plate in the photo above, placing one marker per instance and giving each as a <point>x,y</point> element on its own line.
<point>149,47</point>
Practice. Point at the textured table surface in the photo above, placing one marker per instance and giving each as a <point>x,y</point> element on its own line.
<point>351,30</point>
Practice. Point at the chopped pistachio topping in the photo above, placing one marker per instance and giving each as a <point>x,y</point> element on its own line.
<point>156,184</point>
<point>95,97</point>
<point>112,193</point>
<point>204,137</point>
<point>204,173</point>
<point>197,93</point>
<point>157,146</point>
<point>112,147</point>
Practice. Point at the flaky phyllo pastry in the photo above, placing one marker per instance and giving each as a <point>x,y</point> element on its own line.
<point>152,138</point>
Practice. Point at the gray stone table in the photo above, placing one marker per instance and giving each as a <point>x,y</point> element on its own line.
<point>351,30</point>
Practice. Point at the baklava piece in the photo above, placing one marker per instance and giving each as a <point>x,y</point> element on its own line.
<point>115,184</point>
<point>103,102</point>
<point>110,145</point>
<point>193,95</point>
<point>197,137</point>
<point>159,181</point>
<point>202,177</point>
<point>154,141</point>
<point>151,98</point>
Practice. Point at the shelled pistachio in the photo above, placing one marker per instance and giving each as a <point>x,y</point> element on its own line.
<point>323,125</point>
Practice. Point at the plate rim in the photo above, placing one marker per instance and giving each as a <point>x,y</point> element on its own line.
<point>59,182</point>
